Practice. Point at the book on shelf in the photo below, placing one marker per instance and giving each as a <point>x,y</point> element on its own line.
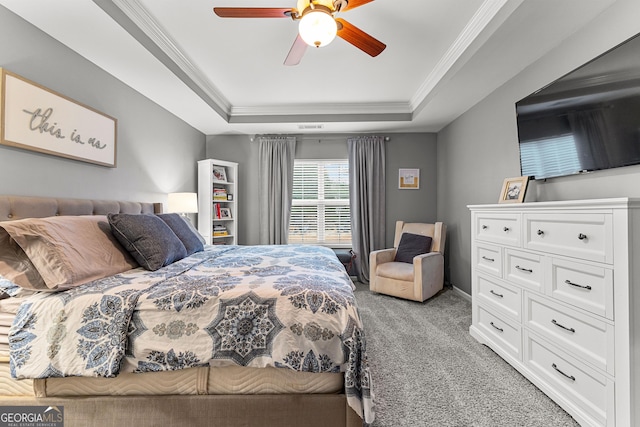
<point>220,230</point>
<point>219,193</point>
<point>216,211</point>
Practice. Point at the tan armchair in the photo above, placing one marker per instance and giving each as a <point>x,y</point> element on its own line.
<point>418,281</point>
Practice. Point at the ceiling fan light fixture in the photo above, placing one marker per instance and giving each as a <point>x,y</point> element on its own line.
<point>317,27</point>
<point>302,5</point>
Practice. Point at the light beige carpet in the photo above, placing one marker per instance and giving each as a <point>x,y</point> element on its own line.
<point>428,371</point>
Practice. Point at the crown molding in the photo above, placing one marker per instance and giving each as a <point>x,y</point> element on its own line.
<point>320,118</point>
<point>303,109</point>
<point>354,112</point>
<point>140,17</point>
<point>478,23</point>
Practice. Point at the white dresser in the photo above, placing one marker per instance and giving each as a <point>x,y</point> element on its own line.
<point>556,293</point>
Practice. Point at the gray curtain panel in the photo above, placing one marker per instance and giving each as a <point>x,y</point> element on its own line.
<point>276,156</point>
<point>367,198</point>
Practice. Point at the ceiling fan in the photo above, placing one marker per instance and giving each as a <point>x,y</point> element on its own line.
<point>318,25</point>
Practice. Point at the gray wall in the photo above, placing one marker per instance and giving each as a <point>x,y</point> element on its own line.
<point>410,150</point>
<point>479,149</point>
<point>156,152</point>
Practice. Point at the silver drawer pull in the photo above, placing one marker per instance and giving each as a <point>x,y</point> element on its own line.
<point>505,229</point>
<point>500,329</point>
<point>571,377</point>
<point>569,282</point>
<point>540,232</point>
<point>488,259</point>
<point>582,236</point>
<point>524,269</point>
<point>496,294</point>
<point>562,326</point>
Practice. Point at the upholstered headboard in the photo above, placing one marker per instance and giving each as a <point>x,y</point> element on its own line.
<point>19,207</point>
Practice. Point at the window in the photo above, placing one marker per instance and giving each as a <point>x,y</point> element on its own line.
<point>549,156</point>
<point>320,211</point>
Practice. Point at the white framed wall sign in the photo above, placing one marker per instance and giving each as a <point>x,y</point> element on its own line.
<point>409,179</point>
<point>35,118</point>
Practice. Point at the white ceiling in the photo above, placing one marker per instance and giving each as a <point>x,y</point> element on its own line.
<point>226,76</point>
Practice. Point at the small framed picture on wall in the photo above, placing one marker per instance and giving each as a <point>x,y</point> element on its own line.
<point>409,179</point>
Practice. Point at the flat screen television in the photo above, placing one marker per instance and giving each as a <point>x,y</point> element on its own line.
<point>587,120</point>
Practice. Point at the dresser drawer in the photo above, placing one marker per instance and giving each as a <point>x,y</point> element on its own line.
<point>501,296</point>
<point>499,228</point>
<point>582,285</point>
<point>525,269</point>
<point>569,379</point>
<point>504,333</point>
<point>489,259</point>
<point>584,336</point>
<point>580,235</point>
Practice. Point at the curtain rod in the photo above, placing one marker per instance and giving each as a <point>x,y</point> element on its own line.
<point>332,138</point>
<point>319,139</point>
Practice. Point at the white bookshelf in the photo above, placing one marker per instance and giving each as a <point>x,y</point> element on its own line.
<point>210,197</point>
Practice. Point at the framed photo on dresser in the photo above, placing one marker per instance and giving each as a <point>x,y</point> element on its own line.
<point>514,190</point>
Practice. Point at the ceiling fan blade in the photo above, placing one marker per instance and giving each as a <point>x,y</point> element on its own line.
<point>359,38</point>
<point>296,52</point>
<point>352,4</point>
<point>252,12</point>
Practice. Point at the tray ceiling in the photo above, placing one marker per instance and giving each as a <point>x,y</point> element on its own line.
<point>226,76</point>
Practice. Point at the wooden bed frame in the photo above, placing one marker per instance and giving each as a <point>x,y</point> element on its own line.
<point>274,410</point>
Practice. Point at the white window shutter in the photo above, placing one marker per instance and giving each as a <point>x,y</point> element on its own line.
<point>320,211</point>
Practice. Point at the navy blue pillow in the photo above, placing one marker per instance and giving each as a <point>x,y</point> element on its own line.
<point>184,231</point>
<point>148,239</point>
<point>411,245</point>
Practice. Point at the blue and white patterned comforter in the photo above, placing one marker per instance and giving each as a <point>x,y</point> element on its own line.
<point>284,306</point>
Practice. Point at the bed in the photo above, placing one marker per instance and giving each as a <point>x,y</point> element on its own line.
<point>224,336</point>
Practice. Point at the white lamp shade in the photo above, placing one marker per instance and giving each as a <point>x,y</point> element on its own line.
<point>182,203</point>
<point>317,28</point>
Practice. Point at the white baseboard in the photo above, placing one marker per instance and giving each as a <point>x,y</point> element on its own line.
<point>462,293</point>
